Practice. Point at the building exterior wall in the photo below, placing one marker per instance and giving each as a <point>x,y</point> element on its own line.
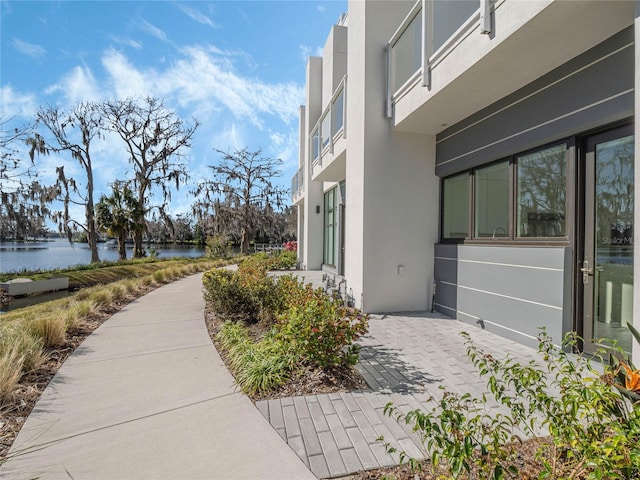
<point>591,90</point>
<point>392,192</point>
<point>312,253</point>
<point>546,70</point>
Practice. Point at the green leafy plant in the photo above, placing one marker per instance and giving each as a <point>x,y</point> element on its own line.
<point>229,297</point>
<point>593,431</point>
<point>322,331</point>
<point>304,327</point>
<point>286,260</point>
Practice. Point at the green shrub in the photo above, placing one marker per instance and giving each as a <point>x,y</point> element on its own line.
<point>309,328</point>
<point>320,330</point>
<point>286,260</point>
<point>229,296</point>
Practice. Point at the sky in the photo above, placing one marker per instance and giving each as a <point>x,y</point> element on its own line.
<point>238,67</point>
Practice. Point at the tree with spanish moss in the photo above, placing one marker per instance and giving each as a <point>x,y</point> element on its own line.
<point>72,132</point>
<point>242,187</point>
<point>156,140</point>
<point>24,200</point>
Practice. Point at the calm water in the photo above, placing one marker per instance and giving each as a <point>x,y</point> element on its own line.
<point>17,256</point>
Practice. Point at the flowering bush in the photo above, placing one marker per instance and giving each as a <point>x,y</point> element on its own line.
<point>291,246</point>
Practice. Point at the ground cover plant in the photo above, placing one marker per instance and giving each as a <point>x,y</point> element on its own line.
<point>275,331</point>
<point>35,341</point>
<point>565,416</point>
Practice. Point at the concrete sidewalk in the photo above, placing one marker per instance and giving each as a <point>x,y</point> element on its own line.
<point>147,396</point>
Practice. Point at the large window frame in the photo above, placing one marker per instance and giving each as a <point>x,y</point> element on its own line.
<point>511,237</point>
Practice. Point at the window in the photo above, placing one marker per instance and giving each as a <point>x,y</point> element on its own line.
<point>519,198</point>
<point>330,230</point>
<point>541,192</point>
<point>455,207</point>
<point>492,201</point>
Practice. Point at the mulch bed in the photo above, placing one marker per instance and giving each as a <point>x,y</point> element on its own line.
<point>308,381</point>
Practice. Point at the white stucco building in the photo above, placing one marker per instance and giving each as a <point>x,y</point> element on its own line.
<point>477,157</point>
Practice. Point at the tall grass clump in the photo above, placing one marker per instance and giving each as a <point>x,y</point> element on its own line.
<point>118,291</point>
<point>159,276</point>
<point>51,329</point>
<point>77,312</point>
<point>11,363</point>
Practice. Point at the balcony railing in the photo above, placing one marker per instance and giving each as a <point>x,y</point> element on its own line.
<point>331,126</point>
<point>430,29</point>
<point>297,182</point>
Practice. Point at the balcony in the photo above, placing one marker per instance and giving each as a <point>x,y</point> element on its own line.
<point>448,60</point>
<point>327,141</point>
<point>297,186</point>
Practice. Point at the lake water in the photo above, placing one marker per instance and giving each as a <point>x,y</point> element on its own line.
<point>18,256</point>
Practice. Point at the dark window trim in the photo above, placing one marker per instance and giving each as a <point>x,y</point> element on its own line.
<point>512,239</point>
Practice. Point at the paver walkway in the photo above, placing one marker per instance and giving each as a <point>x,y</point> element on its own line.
<point>404,359</point>
<point>147,396</point>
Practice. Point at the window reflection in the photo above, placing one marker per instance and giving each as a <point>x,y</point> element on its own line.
<point>492,201</point>
<point>541,194</point>
<point>455,210</point>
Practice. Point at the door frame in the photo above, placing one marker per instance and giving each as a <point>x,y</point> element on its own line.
<point>585,247</point>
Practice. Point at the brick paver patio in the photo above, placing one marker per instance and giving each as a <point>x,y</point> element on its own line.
<point>405,358</point>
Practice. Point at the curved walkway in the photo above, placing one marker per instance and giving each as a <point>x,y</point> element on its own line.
<point>147,396</point>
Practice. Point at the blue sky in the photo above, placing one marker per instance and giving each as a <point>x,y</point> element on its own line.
<point>236,66</point>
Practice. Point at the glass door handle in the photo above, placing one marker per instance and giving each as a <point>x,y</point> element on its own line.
<point>586,271</point>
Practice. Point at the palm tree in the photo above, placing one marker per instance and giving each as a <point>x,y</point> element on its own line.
<point>119,214</point>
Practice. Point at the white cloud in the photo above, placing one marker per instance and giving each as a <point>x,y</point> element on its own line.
<point>16,104</point>
<point>197,16</point>
<point>321,8</point>
<point>129,42</point>
<point>153,30</point>
<point>230,137</point>
<point>79,85</point>
<point>126,80</point>
<point>285,147</point>
<point>212,81</point>
<point>29,49</point>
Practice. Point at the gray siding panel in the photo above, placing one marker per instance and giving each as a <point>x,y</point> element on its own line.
<point>504,312</point>
<point>446,270</point>
<point>550,108</point>
<point>527,284</point>
<point>542,257</point>
<point>515,290</point>
<point>447,296</point>
<point>446,278</point>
